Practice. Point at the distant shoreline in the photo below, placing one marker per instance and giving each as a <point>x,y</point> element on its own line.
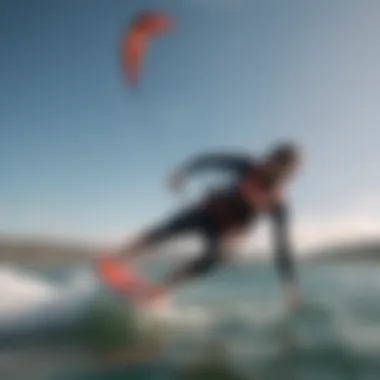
<point>32,249</point>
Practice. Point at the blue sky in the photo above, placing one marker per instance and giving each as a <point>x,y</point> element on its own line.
<point>84,156</point>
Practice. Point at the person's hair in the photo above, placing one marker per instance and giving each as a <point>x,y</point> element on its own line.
<point>285,152</point>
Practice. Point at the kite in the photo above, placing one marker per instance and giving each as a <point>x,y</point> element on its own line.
<point>136,40</point>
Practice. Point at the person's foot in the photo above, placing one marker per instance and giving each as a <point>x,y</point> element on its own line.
<point>109,270</point>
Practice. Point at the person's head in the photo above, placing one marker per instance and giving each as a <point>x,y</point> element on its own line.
<point>284,159</point>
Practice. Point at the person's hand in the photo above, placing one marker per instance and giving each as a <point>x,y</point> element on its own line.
<point>293,297</point>
<point>177,182</point>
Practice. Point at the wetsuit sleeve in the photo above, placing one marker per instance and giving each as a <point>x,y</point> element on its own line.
<point>284,257</point>
<point>238,164</point>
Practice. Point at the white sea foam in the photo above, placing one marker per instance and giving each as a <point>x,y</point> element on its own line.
<point>184,316</point>
<point>27,300</point>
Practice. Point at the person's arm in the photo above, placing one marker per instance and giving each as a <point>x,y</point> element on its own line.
<point>217,161</point>
<point>283,250</point>
<point>284,255</point>
<point>237,164</point>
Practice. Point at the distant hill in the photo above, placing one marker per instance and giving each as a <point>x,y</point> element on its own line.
<point>24,250</point>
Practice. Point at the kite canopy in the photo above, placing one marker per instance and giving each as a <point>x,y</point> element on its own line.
<point>136,40</point>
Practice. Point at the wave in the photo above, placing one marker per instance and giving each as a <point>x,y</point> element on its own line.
<point>29,301</point>
<point>33,303</point>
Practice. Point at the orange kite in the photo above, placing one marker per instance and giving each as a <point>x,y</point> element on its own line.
<point>143,28</point>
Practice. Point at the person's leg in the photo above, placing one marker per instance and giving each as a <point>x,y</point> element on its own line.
<point>209,260</point>
<point>217,252</point>
<point>185,221</point>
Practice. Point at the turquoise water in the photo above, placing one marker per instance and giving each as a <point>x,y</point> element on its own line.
<point>59,323</point>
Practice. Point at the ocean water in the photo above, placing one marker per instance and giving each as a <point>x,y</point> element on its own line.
<point>59,323</point>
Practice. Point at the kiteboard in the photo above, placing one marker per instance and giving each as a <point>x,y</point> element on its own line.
<point>125,280</point>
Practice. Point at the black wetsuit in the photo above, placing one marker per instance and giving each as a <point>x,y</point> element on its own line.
<point>225,210</point>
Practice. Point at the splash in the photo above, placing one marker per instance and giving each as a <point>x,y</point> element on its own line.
<point>28,301</point>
